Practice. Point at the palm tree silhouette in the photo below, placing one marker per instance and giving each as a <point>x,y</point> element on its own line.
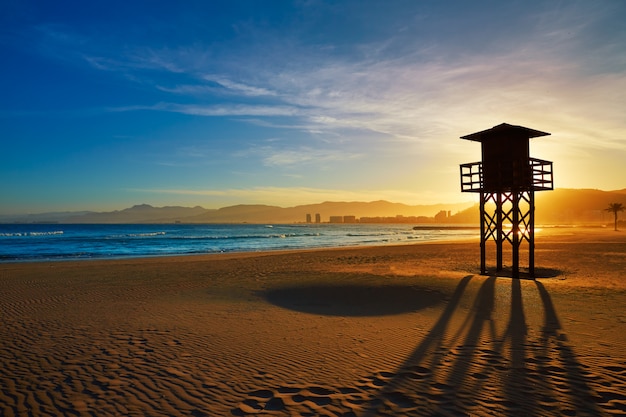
<point>615,208</point>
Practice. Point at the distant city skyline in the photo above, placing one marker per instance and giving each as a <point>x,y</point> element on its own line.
<point>104,105</point>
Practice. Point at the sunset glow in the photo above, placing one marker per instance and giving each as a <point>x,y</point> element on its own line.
<point>109,104</point>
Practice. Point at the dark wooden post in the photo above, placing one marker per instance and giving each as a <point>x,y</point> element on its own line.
<point>531,235</point>
<point>515,237</point>
<point>499,232</point>
<point>483,263</point>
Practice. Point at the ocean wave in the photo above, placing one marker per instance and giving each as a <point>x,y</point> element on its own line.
<point>132,235</point>
<point>29,234</point>
<point>244,237</point>
<point>370,234</point>
<point>146,234</point>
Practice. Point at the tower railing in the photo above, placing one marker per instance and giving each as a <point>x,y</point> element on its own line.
<point>472,177</point>
<point>540,173</point>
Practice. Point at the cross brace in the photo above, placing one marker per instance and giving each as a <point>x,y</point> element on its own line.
<point>508,217</point>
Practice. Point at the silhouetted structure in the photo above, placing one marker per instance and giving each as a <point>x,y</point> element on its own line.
<point>507,179</point>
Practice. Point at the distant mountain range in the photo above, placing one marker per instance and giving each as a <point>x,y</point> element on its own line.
<point>565,206</point>
<point>561,206</point>
<point>145,213</point>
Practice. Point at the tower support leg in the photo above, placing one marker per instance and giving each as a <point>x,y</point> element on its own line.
<point>515,237</point>
<point>483,235</point>
<point>531,234</point>
<point>499,233</point>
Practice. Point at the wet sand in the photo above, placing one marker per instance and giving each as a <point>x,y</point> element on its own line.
<point>395,330</point>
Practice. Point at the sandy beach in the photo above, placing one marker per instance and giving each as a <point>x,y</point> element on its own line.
<point>378,331</point>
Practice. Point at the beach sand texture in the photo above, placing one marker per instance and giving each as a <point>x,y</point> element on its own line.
<point>377,331</point>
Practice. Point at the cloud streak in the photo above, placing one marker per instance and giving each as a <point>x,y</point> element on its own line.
<point>304,156</point>
<point>239,88</point>
<point>216,110</point>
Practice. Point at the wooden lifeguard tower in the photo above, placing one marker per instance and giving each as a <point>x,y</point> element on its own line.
<point>507,178</point>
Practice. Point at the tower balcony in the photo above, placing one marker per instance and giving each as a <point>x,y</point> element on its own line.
<point>536,176</point>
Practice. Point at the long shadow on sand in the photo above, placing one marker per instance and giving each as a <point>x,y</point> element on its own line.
<point>497,349</point>
<point>459,368</point>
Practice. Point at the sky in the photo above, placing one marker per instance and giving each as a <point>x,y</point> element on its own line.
<point>107,104</point>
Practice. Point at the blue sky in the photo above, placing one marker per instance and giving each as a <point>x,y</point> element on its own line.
<point>106,104</point>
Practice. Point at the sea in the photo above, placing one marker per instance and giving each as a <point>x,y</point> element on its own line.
<point>56,242</point>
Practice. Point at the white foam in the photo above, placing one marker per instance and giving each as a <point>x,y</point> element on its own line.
<point>26,234</point>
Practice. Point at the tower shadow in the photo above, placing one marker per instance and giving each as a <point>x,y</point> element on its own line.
<point>497,348</point>
<point>474,360</point>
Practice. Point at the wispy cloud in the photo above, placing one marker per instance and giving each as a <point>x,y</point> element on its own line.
<point>217,85</point>
<point>230,110</point>
<point>238,87</point>
<point>306,155</point>
<point>216,110</point>
<point>190,89</point>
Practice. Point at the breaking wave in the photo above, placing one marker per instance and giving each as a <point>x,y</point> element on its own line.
<point>27,234</point>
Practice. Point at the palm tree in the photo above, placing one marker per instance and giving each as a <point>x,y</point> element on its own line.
<point>615,208</point>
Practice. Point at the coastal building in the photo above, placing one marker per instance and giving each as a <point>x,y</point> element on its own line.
<point>318,218</point>
<point>308,218</point>
<point>349,219</point>
<point>336,219</point>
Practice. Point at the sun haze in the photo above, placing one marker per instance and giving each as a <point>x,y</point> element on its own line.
<point>109,104</point>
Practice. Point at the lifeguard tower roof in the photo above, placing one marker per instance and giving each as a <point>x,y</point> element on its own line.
<point>502,131</point>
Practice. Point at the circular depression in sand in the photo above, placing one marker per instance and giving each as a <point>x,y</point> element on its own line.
<point>354,299</point>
